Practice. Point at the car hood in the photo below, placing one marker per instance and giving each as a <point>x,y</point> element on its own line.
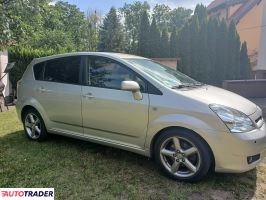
<point>214,95</point>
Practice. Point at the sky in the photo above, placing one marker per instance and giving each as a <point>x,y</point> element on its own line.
<point>104,5</point>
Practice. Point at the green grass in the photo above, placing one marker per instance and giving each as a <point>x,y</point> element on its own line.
<point>82,170</point>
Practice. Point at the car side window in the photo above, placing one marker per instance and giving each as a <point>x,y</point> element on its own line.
<point>107,73</point>
<point>38,71</point>
<point>63,70</point>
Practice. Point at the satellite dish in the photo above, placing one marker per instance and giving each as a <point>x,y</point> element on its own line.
<point>9,67</point>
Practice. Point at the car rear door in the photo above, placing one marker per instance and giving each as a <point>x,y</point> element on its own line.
<point>58,90</point>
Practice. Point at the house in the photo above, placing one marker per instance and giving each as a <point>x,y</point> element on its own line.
<point>5,80</point>
<point>170,62</point>
<point>250,19</point>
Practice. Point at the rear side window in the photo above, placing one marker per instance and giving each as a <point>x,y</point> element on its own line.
<point>63,70</point>
<point>38,71</point>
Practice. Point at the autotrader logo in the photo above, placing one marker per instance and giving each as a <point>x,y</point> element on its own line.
<point>27,193</point>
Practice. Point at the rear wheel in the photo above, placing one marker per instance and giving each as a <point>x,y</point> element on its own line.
<point>34,126</point>
<point>182,155</point>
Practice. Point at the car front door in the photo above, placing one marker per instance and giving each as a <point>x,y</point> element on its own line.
<point>109,113</point>
<point>58,90</point>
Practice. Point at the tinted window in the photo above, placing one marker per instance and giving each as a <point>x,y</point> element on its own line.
<point>107,73</point>
<point>63,70</point>
<point>38,70</point>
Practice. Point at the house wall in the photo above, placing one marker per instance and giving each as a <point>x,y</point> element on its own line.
<point>170,62</point>
<point>247,88</point>
<point>262,49</point>
<point>5,80</point>
<point>249,29</point>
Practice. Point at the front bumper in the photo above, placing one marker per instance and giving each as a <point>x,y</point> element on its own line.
<point>231,151</point>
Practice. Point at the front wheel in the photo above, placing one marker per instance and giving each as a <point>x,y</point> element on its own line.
<point>34,126</point>
<point>182,155</point>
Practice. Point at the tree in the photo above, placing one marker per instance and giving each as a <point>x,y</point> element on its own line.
<point>6,33</point>
<point>58,40</point>
<point>178,17</point>
<point>184,49</point>
<point>161,15</point>
<point>212,28</point>
<point>165,48</point>
<point>154,39</point>
<point>90,31</point>
<point>144,33</point>
<point>221,53</point>
<point>73,21</point>
<point>132,17</point>
<point>202,14</point>
<point>194,48</point>
<point>210,50</point>
<point>111,35</point>
<point>173,44</point>
<point>245,68</point>
<point>233,52</point>
<point>18,19</point>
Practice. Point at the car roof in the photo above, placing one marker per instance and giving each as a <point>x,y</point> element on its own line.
<point>105,54</point>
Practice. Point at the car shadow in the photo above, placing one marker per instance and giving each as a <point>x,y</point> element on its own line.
<point>242,185</point>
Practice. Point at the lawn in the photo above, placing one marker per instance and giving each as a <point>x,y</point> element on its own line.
<point>82,170</point>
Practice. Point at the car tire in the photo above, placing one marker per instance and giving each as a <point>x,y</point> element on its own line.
<point>182,155</point>
<point>34,126</point>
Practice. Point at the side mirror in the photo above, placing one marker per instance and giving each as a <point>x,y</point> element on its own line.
<point>134,87</point>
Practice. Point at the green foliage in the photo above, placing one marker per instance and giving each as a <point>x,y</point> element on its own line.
<point>132,16</point>
<point>144,36</point>
<point>154,40</point>
<point>58,40</point>
<point>36,24</point>
<point>244,62</point>
<point>210,50</point>
<point>178,18</point>
<point>23,57</point>
<point>111,35</point>
<point>173,44</point>
<point>170,19</point>
<point>165,48</point>
<point>161,15</point>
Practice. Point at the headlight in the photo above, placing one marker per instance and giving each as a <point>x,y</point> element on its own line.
<point>236,121</point>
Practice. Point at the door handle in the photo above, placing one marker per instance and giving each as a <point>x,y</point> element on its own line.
<point>88,96</point>
<point>43,90</point>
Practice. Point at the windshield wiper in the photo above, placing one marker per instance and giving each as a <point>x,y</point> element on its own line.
<point>180,86</point>
<point>188,85</point>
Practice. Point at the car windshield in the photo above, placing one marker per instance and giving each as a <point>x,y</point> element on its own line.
<point>169,77</point>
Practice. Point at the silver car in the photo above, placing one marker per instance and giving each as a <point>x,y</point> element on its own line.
<point>136,104</point>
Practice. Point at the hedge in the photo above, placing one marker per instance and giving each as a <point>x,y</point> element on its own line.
<point>23,57</point>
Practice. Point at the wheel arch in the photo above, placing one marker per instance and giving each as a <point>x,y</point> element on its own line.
<point>156,136</point>
<point>27,107</point>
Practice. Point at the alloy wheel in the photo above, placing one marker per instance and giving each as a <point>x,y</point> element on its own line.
<point>180,157</point>
<point>33,126</point>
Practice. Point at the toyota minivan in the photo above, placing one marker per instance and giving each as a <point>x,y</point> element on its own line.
<point>138,105</point>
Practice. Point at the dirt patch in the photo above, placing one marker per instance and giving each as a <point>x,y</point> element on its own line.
<point>212,195</point>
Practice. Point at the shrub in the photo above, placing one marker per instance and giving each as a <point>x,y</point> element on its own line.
<point>23,57</point>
